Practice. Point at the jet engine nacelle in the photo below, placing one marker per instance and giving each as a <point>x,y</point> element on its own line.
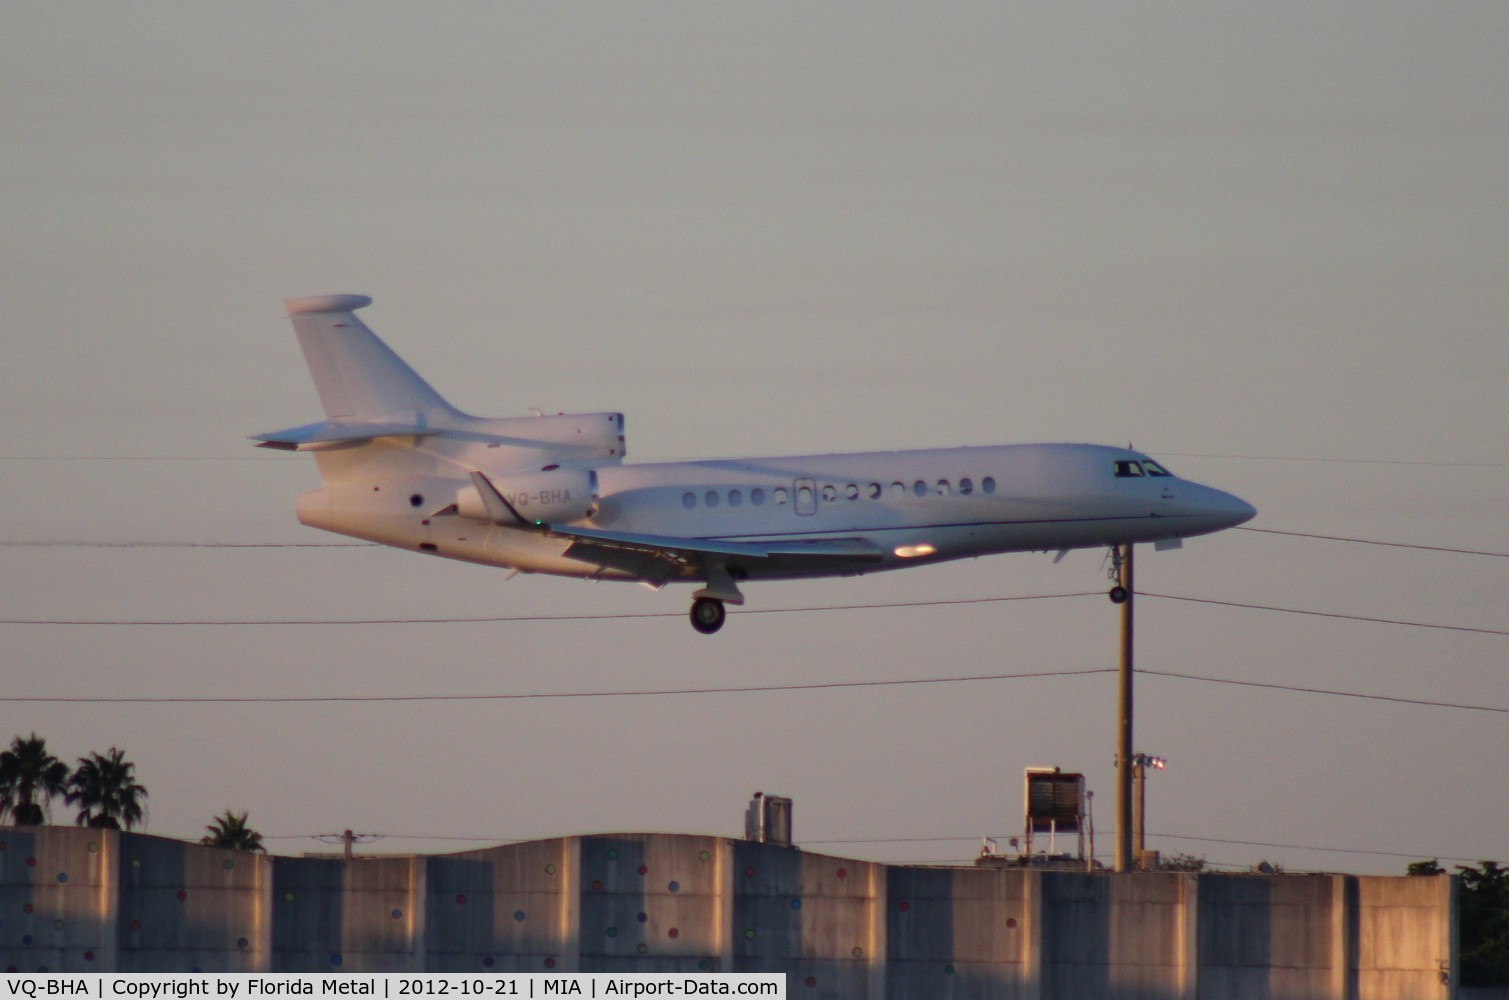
<point>552,495</point>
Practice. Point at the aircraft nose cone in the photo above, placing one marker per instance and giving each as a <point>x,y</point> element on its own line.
<point>1233,510</point>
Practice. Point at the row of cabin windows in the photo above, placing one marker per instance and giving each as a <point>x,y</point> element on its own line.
<point>831,492</point>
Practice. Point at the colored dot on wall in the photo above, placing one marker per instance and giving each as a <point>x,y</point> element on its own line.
<point>704,965</point>
<point>336,960</point>
<point>549,963</point>
<point>644,870</point>
<point>811,981</point>
<point>182,895</point>
<point>136,862</point>
<point>488,962</point>
<point>903,906</point>
<point>704,856</point>
<point>136,925</point>
<point>642,948</point>
<point>750,934</point>
<point>843,873</point>
<point>674,887</point>
<point>550,869</point>
<point>26,908</point>
<point>229,864</point>
<point>858,953</point>
<point>58,925</point>
<point>397,914</point>
<point>288,897</point>
<point>93,848</point>
<point>461,899</point>
<point>1011,923</point>
<point>243,943</point>
<point>597,885</point>
<point>612,932</point>
<point>26,939</point>
<point>519,916</point>
<point>88,956</point>
<point>31,862</point>
<point>612,854</point>
<point>673,933</point>
<point>749,873</point>
<point>796,904</point>
<point>948,970</point>
<point>62,876</point>
<point>643,917</point>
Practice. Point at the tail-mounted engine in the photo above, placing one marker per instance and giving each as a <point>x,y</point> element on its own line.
<point>550,496</point>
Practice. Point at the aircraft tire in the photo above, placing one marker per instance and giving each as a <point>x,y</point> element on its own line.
<point>708,615</point>
<point>1118,595</point>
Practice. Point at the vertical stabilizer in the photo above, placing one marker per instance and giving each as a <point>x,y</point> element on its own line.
<point>359,378</point>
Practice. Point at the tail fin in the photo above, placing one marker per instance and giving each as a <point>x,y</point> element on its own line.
<point>358,377</point>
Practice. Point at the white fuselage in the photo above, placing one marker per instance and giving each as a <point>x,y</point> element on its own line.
<point>912,506</point>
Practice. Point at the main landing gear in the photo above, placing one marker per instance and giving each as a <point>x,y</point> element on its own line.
<point>707,603</point>
<point>1118,594</point>
<point>708,615</point>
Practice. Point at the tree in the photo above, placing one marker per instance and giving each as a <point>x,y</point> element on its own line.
<point>231,831</point>
<point>29,778</point>
<point>1431,867</point>
<point>105,790</point>
<point>1182,863</point>
<point>1484,914</point>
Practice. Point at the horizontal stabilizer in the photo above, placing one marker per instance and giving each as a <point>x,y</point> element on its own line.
<point>332,431</point>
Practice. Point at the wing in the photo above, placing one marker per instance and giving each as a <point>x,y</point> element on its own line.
<point>663,556</point>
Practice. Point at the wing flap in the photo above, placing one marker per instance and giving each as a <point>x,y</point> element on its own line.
<point>589,542</point>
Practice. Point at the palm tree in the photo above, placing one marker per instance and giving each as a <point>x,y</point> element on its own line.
<point>231,831</point>
<point>28,771</point>
<point>105,790</point>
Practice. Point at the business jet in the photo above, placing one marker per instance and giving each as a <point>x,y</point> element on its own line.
<point>552,494</point>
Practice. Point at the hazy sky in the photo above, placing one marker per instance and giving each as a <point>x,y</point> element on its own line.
<point>1266,244</point>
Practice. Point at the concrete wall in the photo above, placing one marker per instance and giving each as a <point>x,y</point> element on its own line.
<point>89,900</point>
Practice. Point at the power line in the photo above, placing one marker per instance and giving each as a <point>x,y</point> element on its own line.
<point>1343,461</point>
<point>62,544</point>
<point>528,618</point>
<point>1325,691</point>
<point>1371,541</point>
<point>1325,614</point>
<point>537,696</point>
<point>748,689</point>
<point>1307,847</point>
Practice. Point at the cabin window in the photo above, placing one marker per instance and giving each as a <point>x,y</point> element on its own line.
<point>875,491</point>
<point>804,497</point>
<point>1154,469</point>
<point>711,498</point>
<point>898,490</point>
<point>830,493</point>
<point>757,496</point>
<point>1128,470</point>
<point>943,488</point>
<point>966,486</point>
<point>851,492</point>
<point>688,500</point>
<point>780,496</point>
<point>735,498</point>
<point>988,485</point>
<point>919,488</point>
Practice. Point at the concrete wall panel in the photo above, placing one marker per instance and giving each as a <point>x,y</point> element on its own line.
<point>839,928</point>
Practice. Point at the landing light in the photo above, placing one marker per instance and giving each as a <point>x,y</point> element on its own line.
<point>913,551</point>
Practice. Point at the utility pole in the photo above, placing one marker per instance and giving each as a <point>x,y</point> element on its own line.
<point>1124,857</point>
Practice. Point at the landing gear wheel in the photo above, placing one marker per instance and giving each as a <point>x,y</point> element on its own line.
<point>1118,595</point>
<point>707,615</point>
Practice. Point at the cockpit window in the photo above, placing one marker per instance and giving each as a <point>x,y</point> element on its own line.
<point>1128,470</point>
<point>1154,469</point>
